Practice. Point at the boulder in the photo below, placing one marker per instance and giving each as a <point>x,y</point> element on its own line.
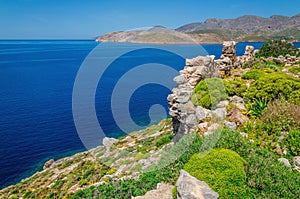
<point>213,128</point>
<point>219,113</point>
<point>189,187</point>
<point>235,115</point>
<point>181,79</point>
<point>230,125</point>
<point>296,160</point>
<point>163,191</point>
<point>108,142</point>
<point>201,113</point>
<point>285,161</point>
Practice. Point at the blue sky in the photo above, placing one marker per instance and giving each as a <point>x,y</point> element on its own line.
<point>86,19</point>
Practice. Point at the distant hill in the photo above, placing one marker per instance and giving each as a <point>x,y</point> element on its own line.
<point>155,35</point>
<point>248,28</point>
<point>214,30</point>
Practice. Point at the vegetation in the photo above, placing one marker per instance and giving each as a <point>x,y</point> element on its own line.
<point>274,48</point>
<point>222,169</point>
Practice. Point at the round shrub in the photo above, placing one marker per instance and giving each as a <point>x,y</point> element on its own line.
<point>222,169</point>
<point>274,48</point>
<point>253,74</point>
<point>274,86</point>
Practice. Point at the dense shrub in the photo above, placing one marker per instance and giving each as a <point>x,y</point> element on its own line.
<point>208,93</point>
<point>267,177</point>
<point>253,74</point>
<point>282,114</point>
<point>292,142</point>
<point>275,48</point>
<point>273,86</point>
<point>222,169</point>
<point>235,87</point>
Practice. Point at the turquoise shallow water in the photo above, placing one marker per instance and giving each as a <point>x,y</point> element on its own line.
<point>36,83</point>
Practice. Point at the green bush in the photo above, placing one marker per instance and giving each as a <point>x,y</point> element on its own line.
<point>274,48</point>
<point>292,142</point>
<point>253,74</point>
<point>295,70</point>
<point>222,169</point>
<point>265,175</point>
<point>274,86</point>
<point>208,93</point>
<point>235,87</point>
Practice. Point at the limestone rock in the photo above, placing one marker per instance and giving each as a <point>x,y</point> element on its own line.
<point>213,128</point>
<point>189,187</point>
<point>163,191</point>
<point>296,160</point>
<point>230,125</point>
<point>236,116</point>
<point>180,79</point>
<point>220,113</point>
<point>108,142</point>
<point>48,164</point>
<point>201,113</point>
<point>285,161</point>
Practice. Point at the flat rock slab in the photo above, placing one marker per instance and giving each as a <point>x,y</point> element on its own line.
<point>163,191</point>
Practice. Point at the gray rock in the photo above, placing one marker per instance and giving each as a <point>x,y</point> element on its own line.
<point>244,134</point>
<point>220,113</point>
<point>236,99</point>
<point>296,160</point>
<point>187,108</point>
<point>189,187</point>
<point>181,79</point>
<point>191,120</point>
<point>285,161</point>
<point>223,104</point>
<point>203,126</point>
<point>108,142</point>
<point>213,128</point>
<point>201,113</point>
<point>163,191</point>
<point>230,125</point>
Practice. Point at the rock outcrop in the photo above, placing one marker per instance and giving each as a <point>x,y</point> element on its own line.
<point>189,187</point>
<point>163,191</point>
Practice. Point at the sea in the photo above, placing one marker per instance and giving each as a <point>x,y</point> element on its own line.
<point>37,80</point>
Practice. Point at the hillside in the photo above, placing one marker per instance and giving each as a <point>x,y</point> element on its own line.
<point>248,28</point>
<point>214,30</point>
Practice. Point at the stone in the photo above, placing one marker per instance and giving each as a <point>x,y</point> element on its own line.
<point>187,108</point>
<point>191,120</point>
<point>236,99</point>
<point>220,113</point>
<point>285,161</point>
<point>189,187</point>
<point>296,161</point>
<point>223,104</point>
<point>163,191</point>
<point>48,164</point>
<point>203,126</point>
<point>181,79</point>
<point>243,134</point>
<point>236,116</point>
<point>201,113</point>
<point>213,128</point>
<point>230,125</point>
<point>108,142</point>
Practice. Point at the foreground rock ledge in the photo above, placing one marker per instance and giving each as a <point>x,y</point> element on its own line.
<point>189,187</point>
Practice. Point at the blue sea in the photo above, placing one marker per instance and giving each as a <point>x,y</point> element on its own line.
<point>36,88</point>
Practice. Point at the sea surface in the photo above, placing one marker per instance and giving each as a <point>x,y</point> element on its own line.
<point>36,85</point>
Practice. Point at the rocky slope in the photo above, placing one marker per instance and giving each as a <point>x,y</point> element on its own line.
<point>248,27</point>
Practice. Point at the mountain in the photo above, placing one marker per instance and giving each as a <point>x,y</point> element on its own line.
<point>214,30</point>
<point>248,27</point>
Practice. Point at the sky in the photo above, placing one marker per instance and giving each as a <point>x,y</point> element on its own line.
<point>87,19</point>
